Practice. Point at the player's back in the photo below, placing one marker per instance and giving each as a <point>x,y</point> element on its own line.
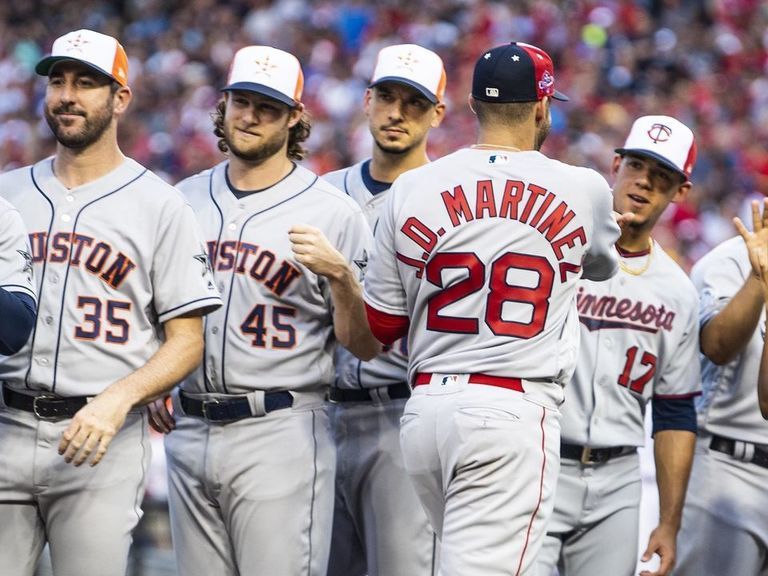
<point>489,247</point>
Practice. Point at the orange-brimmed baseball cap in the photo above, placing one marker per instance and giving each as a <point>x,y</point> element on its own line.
<point>268,71</point>
<point>666,140</point>
<point>413,66</point>
<point>99,51</point>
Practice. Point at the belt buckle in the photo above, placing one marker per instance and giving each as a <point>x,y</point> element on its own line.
<point>586,455</point>
<point>207,403</point>
<point>36,411</point>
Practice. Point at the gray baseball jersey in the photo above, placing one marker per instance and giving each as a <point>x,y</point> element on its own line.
<point>113,259</point>
<point>521,215</point>
<point>230,485</point>
<point>15,259</point>
<point>391,366</point>
<point>277,318</point>
<point>482,251</point>
<point>379,526</point>
<point>726,493</point>
<point>639,340</point>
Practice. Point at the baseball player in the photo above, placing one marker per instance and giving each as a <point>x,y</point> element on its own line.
<point>724,529</point>
<point>477,259</point>
<point>122,283</point>
<point>639,340</point>
<point>17,291</point>
<point>251,460</point>
<point>379,526</point>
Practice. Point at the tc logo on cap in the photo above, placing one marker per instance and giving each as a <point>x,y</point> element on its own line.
<point>665,139</point>
<point>659,133</point>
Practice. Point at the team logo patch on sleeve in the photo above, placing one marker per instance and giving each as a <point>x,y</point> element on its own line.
<point>27,261</point>
<point>362,264</point>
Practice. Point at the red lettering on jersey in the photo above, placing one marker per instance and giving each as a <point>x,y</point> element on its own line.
<point>542,209</point>
<point>420,233</point>
<point>513,194</point>
<point>60,247</point>
<point>485,201</point>
<point>456,205</point>
<point>418,264</point>
<point>535,191</point>
<point>565,268</point>
<point>569,240</point>
<point>556,221</point>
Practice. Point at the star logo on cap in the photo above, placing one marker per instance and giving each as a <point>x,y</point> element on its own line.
<point>407,60</point>
<point>515,58</point>
<point>77,43</point>
<point>264,66</point>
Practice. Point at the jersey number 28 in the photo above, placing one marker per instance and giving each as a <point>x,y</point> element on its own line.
<point>500,292</point>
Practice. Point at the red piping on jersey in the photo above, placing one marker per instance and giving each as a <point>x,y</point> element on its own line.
<point>387,328</point>
<point>677,396</point>
<point>500,381</point>
<point>541,491</point>
<point>627,254</point>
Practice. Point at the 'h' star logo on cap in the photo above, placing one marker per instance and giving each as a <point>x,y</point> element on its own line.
<point>659,133</point>
<point>407,61</point>
<point>265,66</point>
<point>77,43</point>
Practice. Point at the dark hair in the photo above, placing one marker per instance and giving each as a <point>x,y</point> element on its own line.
<point>510,114</point>
<point>296,135</point>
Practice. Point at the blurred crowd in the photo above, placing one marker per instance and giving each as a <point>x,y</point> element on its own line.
<point>703,61</point>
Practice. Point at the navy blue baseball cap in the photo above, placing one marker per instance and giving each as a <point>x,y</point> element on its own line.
<point>514,72</point>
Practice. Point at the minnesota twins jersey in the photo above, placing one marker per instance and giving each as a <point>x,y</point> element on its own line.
<point>391,366</point>
<point>275,330</point>
<point>728,405</point>
<point>15,258</point>
<point>482,250</point>
<point>113,258</point>
<point>639,339</point>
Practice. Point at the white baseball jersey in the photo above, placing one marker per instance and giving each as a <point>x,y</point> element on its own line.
<point>391,366</point>
<point>275,330</point>
<point>482,250</point>
<point>113,259</point>
<point>639,339</point>
<point>15,258</point>
<point>728,406</point>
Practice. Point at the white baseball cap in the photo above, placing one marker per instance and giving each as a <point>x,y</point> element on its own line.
<point>267,71</point>
<point>664,139</point>
<point>99,51</point>
<point>414,66</point>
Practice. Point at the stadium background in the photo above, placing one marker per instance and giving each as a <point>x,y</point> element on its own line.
<point>702,61</point>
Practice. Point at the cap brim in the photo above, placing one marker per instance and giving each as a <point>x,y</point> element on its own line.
<point>651,154</point>
<point>261,89</point>
<point>415,85</point>
<point>43,68</point>
<point>557,95</point>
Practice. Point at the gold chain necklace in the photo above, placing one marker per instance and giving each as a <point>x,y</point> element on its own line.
<point>638,271</point>
<point>494,147</point>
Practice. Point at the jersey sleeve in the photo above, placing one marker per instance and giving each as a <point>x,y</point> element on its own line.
<point>601,260</point>
<point>681,375</point>
<point>356,242</point>
<point>718,283</point>
<point>383,289</point>
<point>182,277</point>
<point>15,257</point>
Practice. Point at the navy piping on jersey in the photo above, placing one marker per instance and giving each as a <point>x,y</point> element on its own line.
<point>66,275</point>
<point>185,304</point>
<point>314,484</point>
<point>138,500</point>
<point>346,188</point>
<point>42,276</point>
<point>232,276</point>
<point>206,381</point>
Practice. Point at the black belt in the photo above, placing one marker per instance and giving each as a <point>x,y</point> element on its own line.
<point>728,446</point>
<point>44,406</point>
<point>587,455</point>
<point>393,392</point>
<point>229,409</point>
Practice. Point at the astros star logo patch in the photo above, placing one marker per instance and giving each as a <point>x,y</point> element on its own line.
<point>77,43</point>
<point>407,61</point>
<point>362,263</point>
<point>27,261</point>
<point>203,259</point>
<point>264,66</point>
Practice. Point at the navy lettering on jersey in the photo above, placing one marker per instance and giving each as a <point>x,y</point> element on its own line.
<point>608,312</point>
<point>97,257</point>
<point>252,260</point>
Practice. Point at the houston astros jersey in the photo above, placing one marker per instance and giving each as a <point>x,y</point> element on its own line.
<point>275,330</point>
<point>391,366</point>
<point>15,258</point>
<point>728,406</point>
<point>639,339</point>
<point>482,251</point>
<point>113,258</point>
